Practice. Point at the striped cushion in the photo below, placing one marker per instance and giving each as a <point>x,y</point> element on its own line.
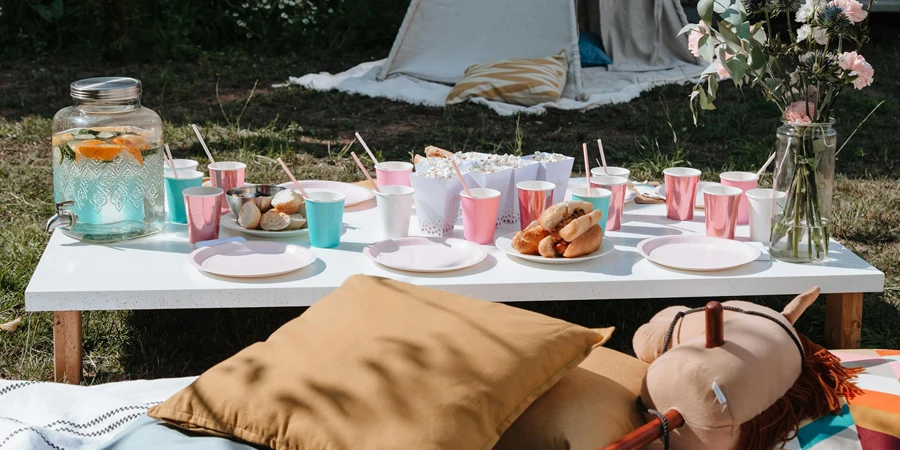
<point>520,81</point>
<point>870,421</point>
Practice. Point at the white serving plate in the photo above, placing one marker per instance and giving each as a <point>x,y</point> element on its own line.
<point>697,253</point>
<point>355,194</point>
<point>426,254</point>
<point>504,243</point>
<point>251,259</point>
<point>230,221</point>
<point>698,201</point>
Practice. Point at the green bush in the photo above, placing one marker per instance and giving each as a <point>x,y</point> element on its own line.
<point>144,30</point>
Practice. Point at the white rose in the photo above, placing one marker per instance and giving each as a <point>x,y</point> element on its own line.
<point>803,33</point>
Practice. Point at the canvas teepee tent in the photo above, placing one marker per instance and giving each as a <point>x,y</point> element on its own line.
<point>439,39</point>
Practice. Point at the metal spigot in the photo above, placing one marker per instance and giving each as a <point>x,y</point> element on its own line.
<point>64,217</point>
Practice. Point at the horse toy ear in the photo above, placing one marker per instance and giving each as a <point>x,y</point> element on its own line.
<point>798,305</point>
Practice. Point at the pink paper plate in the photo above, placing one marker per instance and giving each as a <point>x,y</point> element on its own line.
<point>426,254</point>
<point>697,253</point>
<point>251,259</point>
<point>355,194</point>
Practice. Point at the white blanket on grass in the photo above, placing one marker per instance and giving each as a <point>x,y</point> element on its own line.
<point>38,415</point>
<point>601,86</point>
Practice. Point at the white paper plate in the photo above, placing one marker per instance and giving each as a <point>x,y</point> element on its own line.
<point>697,253</point>
<point>698,201</point>
<point>355,194</point>
<point>504,243</point>
<point>426,254</point>
<point>251,259</point>
<point>230,221</point>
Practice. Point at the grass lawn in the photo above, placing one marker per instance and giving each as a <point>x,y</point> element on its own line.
<point>309,130</point>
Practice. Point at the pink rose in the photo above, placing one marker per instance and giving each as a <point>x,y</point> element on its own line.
<point>694,39</point>
<point>721,70</point>
<point>796,112</point>
<point>852,9</point>
<point>858,67</point>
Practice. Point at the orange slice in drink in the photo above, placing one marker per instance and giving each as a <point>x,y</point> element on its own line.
<point>140,141</point>
<point>102,151</point>
<point>130,146</point>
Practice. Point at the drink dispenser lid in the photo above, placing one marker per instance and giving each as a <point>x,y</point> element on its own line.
<point>106,88</point>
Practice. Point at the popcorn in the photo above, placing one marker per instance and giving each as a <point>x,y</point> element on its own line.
<point>438,168</point>
<point>548,157</point>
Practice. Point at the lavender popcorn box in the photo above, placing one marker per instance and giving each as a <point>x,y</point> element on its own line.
<point>437,202</point>
<point>556,169</point>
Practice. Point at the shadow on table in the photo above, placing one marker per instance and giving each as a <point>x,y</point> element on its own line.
<point>145,244</point>
<point>489,263</point>
<point>307,272</point>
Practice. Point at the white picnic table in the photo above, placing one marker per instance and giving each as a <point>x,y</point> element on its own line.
<point>154,273</point>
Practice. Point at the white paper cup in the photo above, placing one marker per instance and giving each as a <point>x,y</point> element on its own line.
<point>764,205</point>
<point>394,209</point>
<point>613,171</point>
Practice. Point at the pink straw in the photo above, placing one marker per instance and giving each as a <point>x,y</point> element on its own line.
<point>602,156</point>
<point>291,175</point>
<point>203,144</point>
<point>364,171</point>
<point>463,180</point>
<point>587,167</point>
<point>167,155</point>
<point>361,141</point>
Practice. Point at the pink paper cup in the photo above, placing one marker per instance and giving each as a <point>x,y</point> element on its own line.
<point>681,192</point>
<point>393,173</point>
<point>610,170</point>
<point>745,181</point>
<point>534,198</point>
<point>479,213</point>
<point>202,206</point>
<point>721,210</point>
<point>226,175</point>
<point>616,185</point>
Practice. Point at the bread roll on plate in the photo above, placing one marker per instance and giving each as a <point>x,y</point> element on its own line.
<point>275,220</point>
<point>249,216</point>
<point>288,201</point>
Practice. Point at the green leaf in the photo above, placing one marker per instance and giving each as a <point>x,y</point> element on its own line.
<point>737,66</point>
<point>705,103</point>
<point>733,16</point>
<point>51,13</point>
<point>710,69</point>
<point>757,57</point>
<point>729,35</point>
<point>705,9</point>
<point>707,48</point>
<point>688,28</point>
<point>712,87</point>
<point>743,30</point>
<point>719,6</point>
<point>694,96</point>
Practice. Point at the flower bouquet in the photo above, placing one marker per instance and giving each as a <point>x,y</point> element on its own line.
<point>801,54</point>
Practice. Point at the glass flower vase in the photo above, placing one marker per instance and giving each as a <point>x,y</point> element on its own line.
<point>804,171</point>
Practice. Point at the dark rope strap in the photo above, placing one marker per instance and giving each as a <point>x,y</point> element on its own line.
<point>680,315</point>
<point>665,427</point>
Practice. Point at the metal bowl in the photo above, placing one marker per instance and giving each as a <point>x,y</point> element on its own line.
<point>261,194</point>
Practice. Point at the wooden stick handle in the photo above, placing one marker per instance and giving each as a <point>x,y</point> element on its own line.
<point>648,433</point>
<point>715,325</point>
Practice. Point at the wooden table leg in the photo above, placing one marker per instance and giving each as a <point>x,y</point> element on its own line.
<point>843,320</point>
<point>67,346</point>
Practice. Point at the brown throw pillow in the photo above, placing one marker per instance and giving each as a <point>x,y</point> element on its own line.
<point>380,364</point>
<point>585,410</point>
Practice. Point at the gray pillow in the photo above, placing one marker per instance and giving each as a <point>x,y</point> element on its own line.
<point>148,433</point>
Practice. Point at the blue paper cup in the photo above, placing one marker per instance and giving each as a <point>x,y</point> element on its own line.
<point>325,217</point>
<point>174,186</point>
<point>597,197</point>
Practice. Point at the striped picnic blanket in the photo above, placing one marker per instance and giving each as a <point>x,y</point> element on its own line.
<point>868,422</point>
